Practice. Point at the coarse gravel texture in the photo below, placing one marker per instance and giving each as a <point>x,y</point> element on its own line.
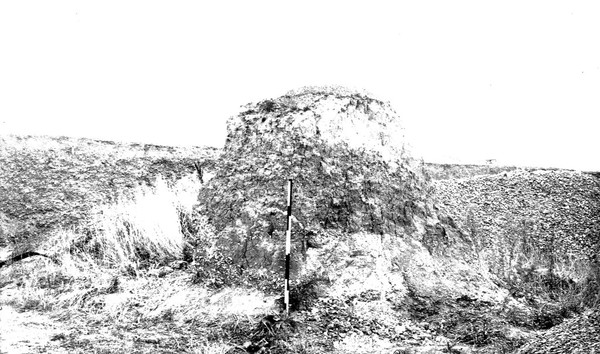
<point>580,335</point>
<point>557,209</point>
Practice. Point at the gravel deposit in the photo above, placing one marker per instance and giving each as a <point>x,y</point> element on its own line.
<point>556,208</point>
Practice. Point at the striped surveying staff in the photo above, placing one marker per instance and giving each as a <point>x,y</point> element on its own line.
<point>288,247</point>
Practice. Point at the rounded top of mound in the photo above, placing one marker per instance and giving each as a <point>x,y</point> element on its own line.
<point>313,115</point>
<point>328,89</point>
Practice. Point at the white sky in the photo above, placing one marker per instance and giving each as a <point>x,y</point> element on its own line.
<point>518,81</point>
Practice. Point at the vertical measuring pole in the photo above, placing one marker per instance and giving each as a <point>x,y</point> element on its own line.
<point>288,248</point>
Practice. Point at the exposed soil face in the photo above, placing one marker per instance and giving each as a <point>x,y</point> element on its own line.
<point>352,173</point>
<point>48,182</point>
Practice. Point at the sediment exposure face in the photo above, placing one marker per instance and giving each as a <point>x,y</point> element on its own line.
<point>349,161</point>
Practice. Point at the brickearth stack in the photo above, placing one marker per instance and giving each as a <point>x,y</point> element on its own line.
<point>362,216</point>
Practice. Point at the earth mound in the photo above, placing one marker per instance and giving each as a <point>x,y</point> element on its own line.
<point>372,230</point>
<point>360,199</point>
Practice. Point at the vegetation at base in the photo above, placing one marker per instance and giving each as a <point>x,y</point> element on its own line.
<point>533,269</point>
<point>144,229</point>
<point>123,268</point>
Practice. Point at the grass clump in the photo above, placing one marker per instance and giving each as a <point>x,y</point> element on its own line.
<point>137,232</point>
<point>99,282</point>
<point>143,229</point>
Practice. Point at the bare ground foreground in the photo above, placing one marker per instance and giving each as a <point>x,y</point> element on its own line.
<point>164,313</point>
<point>28,332</point>
<point>132,315</point>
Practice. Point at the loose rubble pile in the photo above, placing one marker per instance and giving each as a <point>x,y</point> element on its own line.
<point>554,210</point>
<point>579,335</point>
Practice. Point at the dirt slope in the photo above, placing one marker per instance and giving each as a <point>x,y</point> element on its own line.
<point>49,182</point>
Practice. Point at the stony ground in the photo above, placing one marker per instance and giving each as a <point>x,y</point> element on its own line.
<point>556,208</point>
<point>29,332</point>
<point>534,213</point>
<point>578,335</point>
<point>163,311</point>
<point>330,326</point>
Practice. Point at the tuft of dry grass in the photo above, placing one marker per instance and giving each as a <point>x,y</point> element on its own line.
<point>144,228</point>
<point>109,310</point>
